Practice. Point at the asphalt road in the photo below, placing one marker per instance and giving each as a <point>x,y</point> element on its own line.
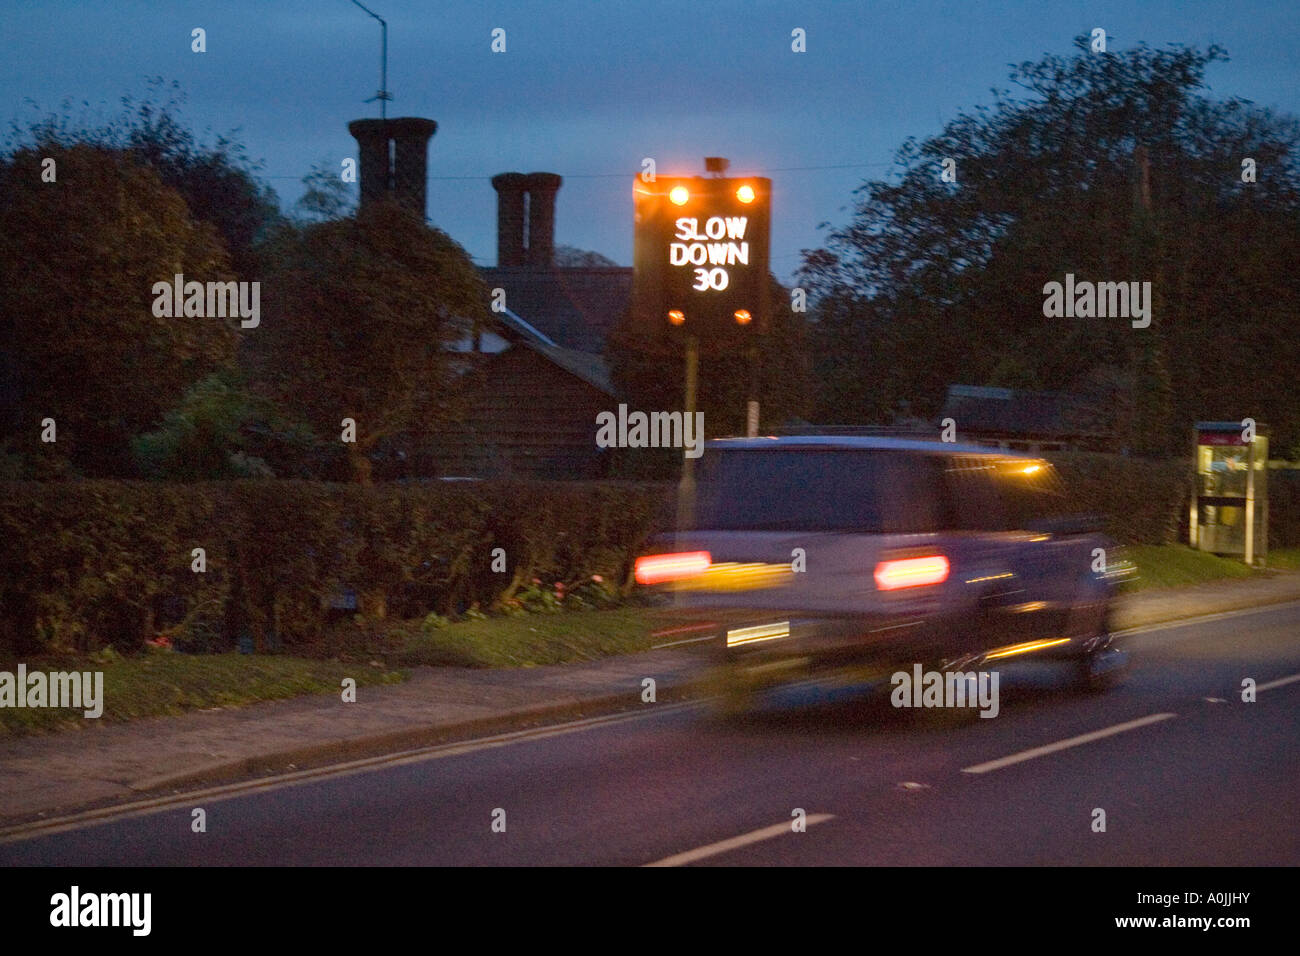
<point>1215,782</point>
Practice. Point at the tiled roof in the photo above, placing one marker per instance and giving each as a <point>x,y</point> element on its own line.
<point>1005,411</point>
<point>590,368</point>
<point>576,308</point>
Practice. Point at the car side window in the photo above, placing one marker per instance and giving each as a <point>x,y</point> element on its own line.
<point>972,486</point>
<point>1031,492</point>
<point>913,488</point>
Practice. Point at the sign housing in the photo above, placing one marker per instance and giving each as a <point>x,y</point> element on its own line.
<point>701,257</point>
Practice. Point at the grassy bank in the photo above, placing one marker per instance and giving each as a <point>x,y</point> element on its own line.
<point>161,684</point>
<point>158,684</point>
<point>531,640</point>
<point>1176,565</point>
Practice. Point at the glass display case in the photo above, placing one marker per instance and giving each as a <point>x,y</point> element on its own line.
<point>1229,510</point>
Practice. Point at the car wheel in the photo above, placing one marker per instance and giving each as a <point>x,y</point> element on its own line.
<point>1102,666</point>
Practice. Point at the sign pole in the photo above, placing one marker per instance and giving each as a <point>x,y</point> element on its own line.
<point>686,488</point>
<point>1250,503</point>
<point>751,406</point>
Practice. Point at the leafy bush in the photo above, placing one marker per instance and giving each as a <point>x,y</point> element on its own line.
<point>1144,499</point>
<point>1284,508</point>
<point>90,564</point>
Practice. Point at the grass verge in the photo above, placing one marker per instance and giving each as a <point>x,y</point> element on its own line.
<point>530,640</point>
<point>1284,559</point>
<point>1177,565</point>
<point>159,684</point>
<point>156,685</point>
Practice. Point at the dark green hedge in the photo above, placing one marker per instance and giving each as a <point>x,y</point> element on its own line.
<point>86,564</point>
<point>1284,508</point>
<point>1144,500</point>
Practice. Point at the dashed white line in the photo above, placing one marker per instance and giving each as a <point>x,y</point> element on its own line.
<point>735,843</point>
<point>1066,744</point>
<point>1280,682</point>
<point>689,640</point>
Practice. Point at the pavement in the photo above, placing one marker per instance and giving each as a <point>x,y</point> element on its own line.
<point>106,764</point>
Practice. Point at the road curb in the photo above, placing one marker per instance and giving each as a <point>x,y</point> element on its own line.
<point>409,738</point>
<point>558,710</point>
<point>1128,622</point>
<point>568,708</point>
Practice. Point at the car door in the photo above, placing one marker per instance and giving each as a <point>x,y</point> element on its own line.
<point>1002,568</point>
<point>1049,563</point>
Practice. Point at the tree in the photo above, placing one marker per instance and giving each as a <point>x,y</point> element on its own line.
<point>78,259</point>
<point>221,429</point>
<point>358,316</point>
<point>217,180</point>
<point>1053,182</point>
<point>326,196</point>
<point>568,257</point>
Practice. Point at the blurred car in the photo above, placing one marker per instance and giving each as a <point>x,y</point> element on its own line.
<point>815,554</point>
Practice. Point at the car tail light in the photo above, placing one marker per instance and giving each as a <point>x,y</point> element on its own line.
<point>656,568</point>
<point>911,572</point>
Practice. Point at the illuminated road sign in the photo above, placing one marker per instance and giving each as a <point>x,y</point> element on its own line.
<point>701,258</point>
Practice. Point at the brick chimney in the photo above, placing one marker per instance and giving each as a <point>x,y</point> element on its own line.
<point>510,189</point>
<point>542,188</point>
<point>394,160</point>
<point>526,218</point>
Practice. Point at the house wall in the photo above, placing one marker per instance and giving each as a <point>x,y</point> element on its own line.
<point>526,418</point>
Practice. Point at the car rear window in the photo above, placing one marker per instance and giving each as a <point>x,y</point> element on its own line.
<point>1004,494</point>
<point>863,490</point>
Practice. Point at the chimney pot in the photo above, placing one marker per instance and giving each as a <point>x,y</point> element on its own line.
<point>394,160</point>
<point>510,218</point>
<point>542,188</point>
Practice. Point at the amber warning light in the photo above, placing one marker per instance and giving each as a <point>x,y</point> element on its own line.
<point>911,572</point>
<point>657,568</point>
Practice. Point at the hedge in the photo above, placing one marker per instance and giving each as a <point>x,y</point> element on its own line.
<point>1284,508</point>
<point>87,564</point>
<point>1144,500</point>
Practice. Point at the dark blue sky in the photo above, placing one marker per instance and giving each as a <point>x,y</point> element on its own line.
<point>587,89</point>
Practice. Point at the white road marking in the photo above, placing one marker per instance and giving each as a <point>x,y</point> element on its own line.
<point>689,640</point>
<point>1280,682</point>
<point>735,843</point>
<point>1204,619</point>
<point>1066,744</point>
<point>143,808</point>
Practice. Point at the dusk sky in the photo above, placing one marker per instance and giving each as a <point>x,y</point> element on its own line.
<point>587,89</point>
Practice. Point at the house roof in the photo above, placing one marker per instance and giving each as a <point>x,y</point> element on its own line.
<point>861,442</point>
<point>587,366</point>
<point>573,307</point>
<point>590,368</point>
<point>1006,411</point>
